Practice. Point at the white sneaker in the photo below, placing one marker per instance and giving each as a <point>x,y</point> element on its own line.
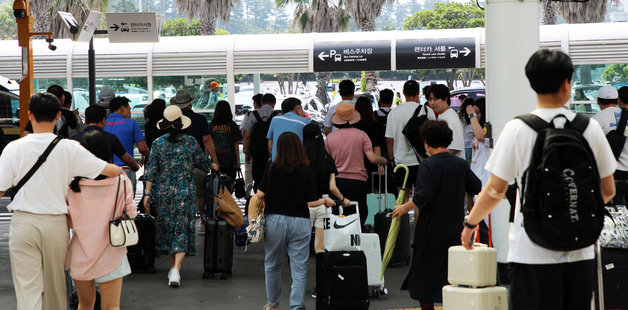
<point>174,278</point>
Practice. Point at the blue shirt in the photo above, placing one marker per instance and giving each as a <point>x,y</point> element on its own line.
<point>287,122</point>
<point>128,132</point>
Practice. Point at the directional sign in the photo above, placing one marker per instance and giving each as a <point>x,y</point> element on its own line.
<point>436,53</point>
<point>133,27</point>
<point>351,56</point>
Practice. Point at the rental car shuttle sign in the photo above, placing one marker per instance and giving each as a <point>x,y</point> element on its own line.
<point>133,27</point>
<point>352,56</point>
<point>436,53</point>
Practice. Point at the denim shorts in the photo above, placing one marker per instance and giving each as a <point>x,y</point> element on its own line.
<point>123,270</point>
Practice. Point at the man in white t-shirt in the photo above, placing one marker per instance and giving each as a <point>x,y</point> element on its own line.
<point>38,235</point>
<point>399,149</point>
<point>346,89</point>
<point>608,99</point>
<point>542,278</point>
<point>439,98</point>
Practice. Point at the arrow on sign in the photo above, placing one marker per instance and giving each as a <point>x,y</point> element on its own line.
<point>115,27</point>
<point>322,56</point>
<point>466,51</point>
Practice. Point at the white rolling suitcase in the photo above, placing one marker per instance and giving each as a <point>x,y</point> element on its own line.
<point>467,298</point>
<point>476,268</point>
<point>369,244</point>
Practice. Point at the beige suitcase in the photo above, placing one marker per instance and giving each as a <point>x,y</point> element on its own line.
<point>477,267</point>
<point>468,298</point>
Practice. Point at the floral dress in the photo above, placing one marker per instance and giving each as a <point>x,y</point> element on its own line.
<point>173,194</point>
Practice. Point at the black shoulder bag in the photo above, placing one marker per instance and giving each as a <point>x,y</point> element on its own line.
<point>616,138</point>
<point>11,192</point>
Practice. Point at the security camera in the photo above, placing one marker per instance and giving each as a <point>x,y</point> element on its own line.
<point>50,45</point>
<point>19,9</point>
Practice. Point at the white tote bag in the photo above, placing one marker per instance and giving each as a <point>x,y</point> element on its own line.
<point>342,233</point>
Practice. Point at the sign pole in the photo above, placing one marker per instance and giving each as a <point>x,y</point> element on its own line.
<point>91,64</point>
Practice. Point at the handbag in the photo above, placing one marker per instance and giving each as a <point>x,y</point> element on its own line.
<point>122,231</point>
<point>255,230</point>
<point>238,187</point>
<point>228,209</point>
<point>343,231</point>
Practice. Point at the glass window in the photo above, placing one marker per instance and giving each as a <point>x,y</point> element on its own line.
<point>588,79</point>
<point>134,88</point>
<point>41,85</point>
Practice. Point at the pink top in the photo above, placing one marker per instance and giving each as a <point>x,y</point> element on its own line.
<point>90,255</point>
<point>347,146</point>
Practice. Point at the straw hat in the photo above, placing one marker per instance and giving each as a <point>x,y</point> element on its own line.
<point>345,113</point>
<point>171,114</point>
<point>182,99</point>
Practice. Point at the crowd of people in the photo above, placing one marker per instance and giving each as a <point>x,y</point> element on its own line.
<point>299,169</point>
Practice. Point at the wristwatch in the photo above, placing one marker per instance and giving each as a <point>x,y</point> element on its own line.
<point>471,115</point>
<point>468,225</point>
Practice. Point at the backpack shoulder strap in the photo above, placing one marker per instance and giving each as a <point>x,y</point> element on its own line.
<point>384,111</point>
<point>425,108</point>
<point>533,121</point>
<point>275,113</point>
<point>416,112</point>
<point>580,123</point>
<point>621,127</point>
<point>257,117</point>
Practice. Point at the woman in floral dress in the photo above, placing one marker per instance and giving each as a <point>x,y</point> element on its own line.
<point>170,189</point>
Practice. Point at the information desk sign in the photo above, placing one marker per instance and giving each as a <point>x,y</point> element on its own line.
<point>436,53</point>
<point>133,27</point>
<point>352,56</point>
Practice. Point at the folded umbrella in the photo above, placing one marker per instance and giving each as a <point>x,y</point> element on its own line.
<point>393,232</point>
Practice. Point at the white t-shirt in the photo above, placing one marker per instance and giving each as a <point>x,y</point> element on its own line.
<point>397,119</point>
<point>46,191</point>
<point>510,158</point>
<point>455,125</point>
<point>480,153</point>
<point>330,113</point>
<point>609,119</point>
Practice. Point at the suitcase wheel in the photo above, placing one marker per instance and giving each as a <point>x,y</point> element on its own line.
<point>383,291</point>
<point>375,293</point>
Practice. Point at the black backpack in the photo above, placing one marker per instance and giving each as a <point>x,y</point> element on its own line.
<point>259,143</point>
<point>381,119</point>
<point>616,137</point>
<point>412,130</point>
<point>562,206</point>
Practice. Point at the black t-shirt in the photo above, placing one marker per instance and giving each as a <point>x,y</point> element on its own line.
<point>225,139</point>
<point>199,127</point>
<point>288,194</point>
<point>376,135</point>
<point>322,183</point>
<point>152,133</point>
<point>114,142</point>
<point>69,121</point>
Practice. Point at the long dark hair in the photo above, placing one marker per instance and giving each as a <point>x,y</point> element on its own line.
<point>365,108</point>
<point>290,153</point>
<point>97,143</point>
<point>222,114</point>
<point>481,103</point>
<point>462,113</point>
<point>154,112</point>
<point>314,146</point>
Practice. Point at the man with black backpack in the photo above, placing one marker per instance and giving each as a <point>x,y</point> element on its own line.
<point>564,169</point>
<point>255,131</point>
<point>400,149</point>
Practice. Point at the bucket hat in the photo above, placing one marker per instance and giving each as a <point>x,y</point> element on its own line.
<point>182,99</point>
<point>345,113</point>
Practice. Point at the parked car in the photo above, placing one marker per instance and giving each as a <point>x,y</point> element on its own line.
<point>474,93</point>
<point>9,108</point>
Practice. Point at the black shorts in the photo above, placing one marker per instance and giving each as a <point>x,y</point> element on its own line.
<point>566,286</point>
<point>400,175</point>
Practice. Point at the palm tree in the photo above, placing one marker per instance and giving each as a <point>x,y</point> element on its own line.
<point>364,13</point>
<point>208,11</point>
<point>318,16</point>
<point>78,8</point>
<point>550,12</point>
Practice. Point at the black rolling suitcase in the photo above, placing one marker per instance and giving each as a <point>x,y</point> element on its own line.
<point>341,281</point>
<point>142,255</point>
<point>401,253</point>
<point>614,265</point>
<point>219,239</point>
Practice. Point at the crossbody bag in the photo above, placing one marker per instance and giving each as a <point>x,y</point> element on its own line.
<point>122,232</point>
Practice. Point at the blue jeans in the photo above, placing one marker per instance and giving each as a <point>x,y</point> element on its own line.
<point>291,234</point>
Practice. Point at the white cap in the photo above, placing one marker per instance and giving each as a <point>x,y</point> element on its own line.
<point>607,92</point>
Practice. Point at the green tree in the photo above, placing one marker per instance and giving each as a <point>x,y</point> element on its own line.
<point>123,6</point>
<point>450,16</point>
<point>8,26</point>
<point>208,11</point>
<point>183,27</point>
<point>617,73</point>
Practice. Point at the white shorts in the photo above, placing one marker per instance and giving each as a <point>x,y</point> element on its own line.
<point>316,216</point>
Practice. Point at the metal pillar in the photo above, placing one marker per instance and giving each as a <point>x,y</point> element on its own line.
<point>91,68</point>
<point>512,36</point>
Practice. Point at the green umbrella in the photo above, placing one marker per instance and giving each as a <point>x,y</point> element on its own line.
<point>391,240</point>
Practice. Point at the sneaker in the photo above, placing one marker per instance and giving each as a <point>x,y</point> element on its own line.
<point>314,293</point>
<point>174,278</point>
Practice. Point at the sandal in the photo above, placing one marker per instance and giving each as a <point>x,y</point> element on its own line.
<point>267,307</point>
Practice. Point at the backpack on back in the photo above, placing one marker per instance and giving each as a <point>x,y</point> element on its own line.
<point>562,206</point>
<point>259,143</point>
<point>616,137</point>
<point>381,119</point>
<point>412,131</point>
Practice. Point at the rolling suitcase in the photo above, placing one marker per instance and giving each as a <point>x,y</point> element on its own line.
<point>369,243</point>
<point>142,255</point>
<point>341,281</point>
<point>218,251</point>
<point>374,201</point>
<point>485,298</point>
<point>475,268</point>
<point>401,253</point>
<point>613,271</point>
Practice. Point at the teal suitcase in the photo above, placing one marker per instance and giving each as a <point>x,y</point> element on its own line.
<point>376,201</point>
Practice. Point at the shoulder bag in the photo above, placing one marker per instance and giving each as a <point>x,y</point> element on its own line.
<point>122,232</point>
